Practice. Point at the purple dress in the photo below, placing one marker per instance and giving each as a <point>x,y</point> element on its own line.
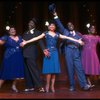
<point>90,59</point>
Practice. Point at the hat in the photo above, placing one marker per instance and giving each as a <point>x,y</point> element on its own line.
<point>52,8</point>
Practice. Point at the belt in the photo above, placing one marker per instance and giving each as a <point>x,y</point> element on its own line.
<point>73,45</point>
<point>52,48</point>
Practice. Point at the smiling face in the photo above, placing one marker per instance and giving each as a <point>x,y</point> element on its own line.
<point>12,31</point>
<point>70,26</point>
<point>52,27</point>
<point>31,25</point>
<point>92,30</point>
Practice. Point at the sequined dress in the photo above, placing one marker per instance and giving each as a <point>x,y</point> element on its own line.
<point>51,64</point>
<point>90,60</point>
<point>13,64</point>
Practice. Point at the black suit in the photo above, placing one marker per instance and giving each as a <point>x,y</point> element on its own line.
<point>32,74</point>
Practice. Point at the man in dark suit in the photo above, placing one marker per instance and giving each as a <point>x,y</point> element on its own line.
<point>72,54</point>
<point>32,74</point>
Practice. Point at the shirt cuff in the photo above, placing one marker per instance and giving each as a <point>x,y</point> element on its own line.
<point>55,17</point>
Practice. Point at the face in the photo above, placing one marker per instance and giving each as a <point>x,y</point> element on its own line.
<point>12,31</point>
<point>52,27</point>
<point>31,25</point>
<point>70,26</point>
<point>92,29</point>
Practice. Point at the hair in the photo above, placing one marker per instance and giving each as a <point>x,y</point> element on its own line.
<point>52,22</point>
<point>90,27</point>
<point>34,20</point>
<point>70,21</point>
<point>11,26</point>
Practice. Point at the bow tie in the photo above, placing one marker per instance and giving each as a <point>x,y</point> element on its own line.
<point>73,32</point>
<point>31,31</point>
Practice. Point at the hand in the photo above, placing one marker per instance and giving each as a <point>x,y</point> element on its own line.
<point>80,42</point>
<point>55,13</point>
<point>22,44</point>
<point>46,52</point>
<point>52,8</point>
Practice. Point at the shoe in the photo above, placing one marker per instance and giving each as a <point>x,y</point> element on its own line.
<point>52,89</point>
<point>32,89</point>
<point>27,90</point>
<point>47,89</point>
<point>71,88</point>
<point>14,88</point>
<point>92,86</point>
<point>41,90</point>
<point>86,87</point>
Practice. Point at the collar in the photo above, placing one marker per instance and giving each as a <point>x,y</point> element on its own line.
<point>32,30</point>
<point>73,32</point>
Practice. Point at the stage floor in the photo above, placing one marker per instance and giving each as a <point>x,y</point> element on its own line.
<point>61,87</point>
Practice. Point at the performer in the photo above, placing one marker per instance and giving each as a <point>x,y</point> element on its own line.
<point>32,73</point>
<point>72,53</point>
<point>90,59</point>
<point>12,67</point>
<point>51,65</point>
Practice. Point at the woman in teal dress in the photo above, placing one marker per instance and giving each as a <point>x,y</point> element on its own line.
<point>51,63</point>
<point>12,67</point>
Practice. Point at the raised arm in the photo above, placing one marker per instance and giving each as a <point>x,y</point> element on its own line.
<point>60,25</point>
<point>69,38</point>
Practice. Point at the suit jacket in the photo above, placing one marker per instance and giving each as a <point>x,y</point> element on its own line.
<point>66,32</point>
<point>30,50</point>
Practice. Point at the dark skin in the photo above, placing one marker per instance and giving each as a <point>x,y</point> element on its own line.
<point>31,25</point>
<point>92,30</point>
<point>70,26</point>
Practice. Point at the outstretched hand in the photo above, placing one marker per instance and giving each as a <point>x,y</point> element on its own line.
<point>22,44</point>
<point>80,42</point>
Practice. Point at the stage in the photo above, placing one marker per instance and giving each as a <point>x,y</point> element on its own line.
<point>62,92</point>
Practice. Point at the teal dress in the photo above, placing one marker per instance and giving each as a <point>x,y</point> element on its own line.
<point>51,64</point>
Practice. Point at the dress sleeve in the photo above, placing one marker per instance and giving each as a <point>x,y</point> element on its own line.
<point>98,38</point>
<point>4,38</point>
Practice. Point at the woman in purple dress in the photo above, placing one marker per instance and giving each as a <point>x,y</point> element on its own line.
<point>12,67</point>
<point>90,59</point>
